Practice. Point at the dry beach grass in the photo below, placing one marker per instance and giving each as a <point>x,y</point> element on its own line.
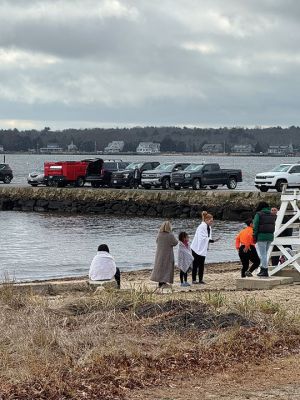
<point>122,344</point>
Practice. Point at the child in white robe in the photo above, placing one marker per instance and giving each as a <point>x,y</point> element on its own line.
<point>185,258</point>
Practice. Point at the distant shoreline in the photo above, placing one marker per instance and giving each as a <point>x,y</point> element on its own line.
<point>98,155</point>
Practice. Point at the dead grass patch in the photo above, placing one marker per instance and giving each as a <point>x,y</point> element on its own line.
<point>102,346</point>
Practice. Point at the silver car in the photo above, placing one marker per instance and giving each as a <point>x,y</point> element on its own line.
<point>36,178</point>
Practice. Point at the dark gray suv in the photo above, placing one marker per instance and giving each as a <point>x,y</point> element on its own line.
<point>6,174</point>
<point>131,176</point>
<point>99,172</point>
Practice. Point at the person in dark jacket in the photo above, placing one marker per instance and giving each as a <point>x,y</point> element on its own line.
<point>263,232</point>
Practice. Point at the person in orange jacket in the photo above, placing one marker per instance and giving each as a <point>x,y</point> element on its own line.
<point>244,243</point>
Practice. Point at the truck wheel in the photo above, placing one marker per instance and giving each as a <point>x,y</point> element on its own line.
<point>95,184</point>
<point>177,187</point>
<point>34,184</point>
<point>7,179</point>
<point>214,187</point>
<point>196,184</point>
<point>263,189</point>
<point>279,184</point>
<point>231,184</point>
<point>80,181</point>
<point>147,187</point>
<point>166,183</point>
<point>131,184</point>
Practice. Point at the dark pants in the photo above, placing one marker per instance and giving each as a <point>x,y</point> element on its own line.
<point>250,255</point>
<point>118,277</point>
<point>275,259</point>
<point>183,276</point>
<point>198,267</point>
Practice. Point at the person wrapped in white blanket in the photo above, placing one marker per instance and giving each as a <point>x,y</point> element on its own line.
<point>185,258</point>
<point>103,266</point>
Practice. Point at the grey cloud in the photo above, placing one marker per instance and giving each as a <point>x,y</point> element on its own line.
<point>154,66</point>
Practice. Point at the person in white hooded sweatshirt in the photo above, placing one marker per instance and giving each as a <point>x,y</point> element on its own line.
<point>103,266</point>
<point>199,246</point>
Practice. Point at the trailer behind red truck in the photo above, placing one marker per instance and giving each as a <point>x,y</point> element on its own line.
<point>62,173</point>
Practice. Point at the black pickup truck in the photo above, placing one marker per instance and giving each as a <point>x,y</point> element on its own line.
<point>200,176</point>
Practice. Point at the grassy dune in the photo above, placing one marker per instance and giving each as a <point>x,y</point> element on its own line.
<point>101,346</point>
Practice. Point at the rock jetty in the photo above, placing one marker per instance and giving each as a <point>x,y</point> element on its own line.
<point>225,205</point>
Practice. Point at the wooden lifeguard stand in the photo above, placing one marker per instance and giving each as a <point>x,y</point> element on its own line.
<point>290,203</point>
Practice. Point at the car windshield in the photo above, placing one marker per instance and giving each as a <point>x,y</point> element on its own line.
<point>134,165</point>
<point>281,168</point>
<point>194,167</point>
<point>165,167</point>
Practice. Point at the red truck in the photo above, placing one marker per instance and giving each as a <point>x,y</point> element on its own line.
<point>62,173</point>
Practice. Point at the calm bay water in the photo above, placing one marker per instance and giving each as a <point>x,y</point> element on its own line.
<point>42,246</point>
<point>22,164</point>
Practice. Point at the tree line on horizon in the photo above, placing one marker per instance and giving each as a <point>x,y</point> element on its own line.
<point>173,139</point>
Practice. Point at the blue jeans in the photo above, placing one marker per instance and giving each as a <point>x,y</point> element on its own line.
<point>263,253</point>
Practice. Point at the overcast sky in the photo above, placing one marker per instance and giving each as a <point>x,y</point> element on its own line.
<point>87,63</point>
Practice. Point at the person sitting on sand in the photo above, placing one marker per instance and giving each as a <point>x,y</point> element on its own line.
<point>245,245</point>
<point>103,266</point>
<point>185,258</point>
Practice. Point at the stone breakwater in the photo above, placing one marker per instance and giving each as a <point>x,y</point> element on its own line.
<point>224,205</point>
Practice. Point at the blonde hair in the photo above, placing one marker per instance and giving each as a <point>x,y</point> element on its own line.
<point>206,216</point>
<point>165,227</point>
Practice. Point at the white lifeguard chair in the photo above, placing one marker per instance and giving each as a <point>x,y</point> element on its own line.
<point>290,203</point>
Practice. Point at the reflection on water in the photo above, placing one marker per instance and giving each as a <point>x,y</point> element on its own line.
<point>39,246</point>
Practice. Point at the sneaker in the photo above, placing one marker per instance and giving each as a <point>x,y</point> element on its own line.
<point>182,284</point>
<point>186,284</point>
<point>265,273</point>
<point>248,274</point>
<point>195,283</point>
<point>202,283</point>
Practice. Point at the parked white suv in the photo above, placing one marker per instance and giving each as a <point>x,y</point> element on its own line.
<point>274,179</point>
